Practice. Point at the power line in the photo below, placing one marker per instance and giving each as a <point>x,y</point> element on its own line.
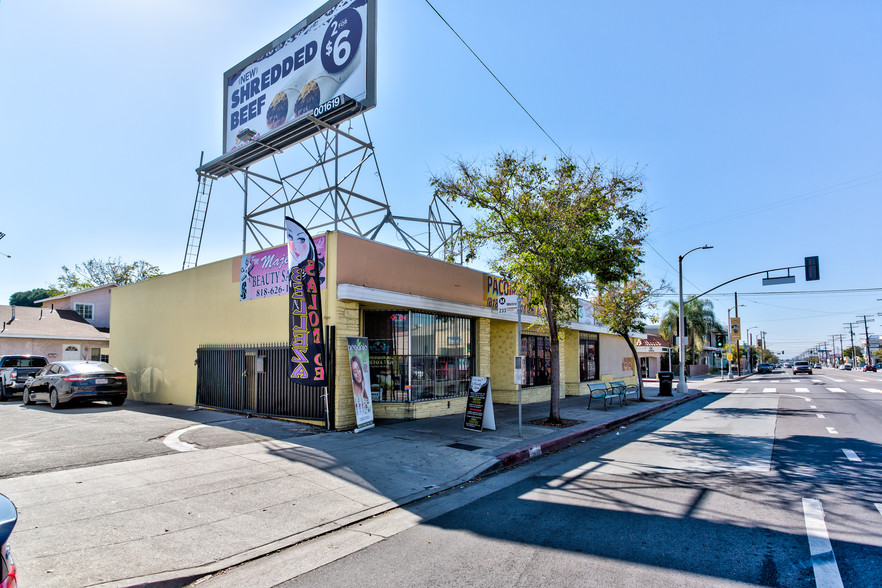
<point>481,61</point>
<point>792,292</point>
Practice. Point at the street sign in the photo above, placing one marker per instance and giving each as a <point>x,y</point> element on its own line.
<point>508,304</point>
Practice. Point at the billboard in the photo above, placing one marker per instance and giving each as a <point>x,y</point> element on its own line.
<point>308,70</point>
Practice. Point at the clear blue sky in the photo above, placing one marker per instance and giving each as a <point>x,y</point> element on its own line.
<point>757,126</point>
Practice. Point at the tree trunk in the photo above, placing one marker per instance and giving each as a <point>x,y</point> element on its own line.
<point>636,364</point>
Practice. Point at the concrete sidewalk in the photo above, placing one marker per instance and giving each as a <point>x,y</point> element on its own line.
<point>177,517</point>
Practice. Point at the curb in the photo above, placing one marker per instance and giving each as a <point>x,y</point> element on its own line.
<point>192,575</point>
<point>529,452</point>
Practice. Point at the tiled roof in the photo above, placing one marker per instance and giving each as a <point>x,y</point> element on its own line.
<point>652,341</point>
<point>43,323</point>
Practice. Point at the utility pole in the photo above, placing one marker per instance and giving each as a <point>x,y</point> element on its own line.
<point>870,360</point>
<point>851,332</point>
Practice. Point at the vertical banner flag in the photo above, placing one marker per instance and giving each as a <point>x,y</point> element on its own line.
<point>361,376</point>
<point>735,328</point>
<point>304,308</point>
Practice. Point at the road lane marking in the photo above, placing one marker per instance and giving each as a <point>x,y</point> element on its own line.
<point>851,455</point>
<point>820,416</point>
<point>801,390</point>
<point>832,431</point>
<point>872,390</point>
<point>823,559</point>
<point>173,440</point>
<point>835,390</point>
<point>740,390</point>
<point>813,406</point>
<point>879,507</point>
<point>769,389</point>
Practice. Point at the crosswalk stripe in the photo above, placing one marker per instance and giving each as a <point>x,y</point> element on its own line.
<point>802,389</point>
<point>823,560</point>
<point>871,390</point>
<point>835,389</point>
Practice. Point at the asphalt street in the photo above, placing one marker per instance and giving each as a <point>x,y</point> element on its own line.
<point>772,481</point>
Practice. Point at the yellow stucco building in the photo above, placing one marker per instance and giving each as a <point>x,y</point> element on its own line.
<point>195,337</point>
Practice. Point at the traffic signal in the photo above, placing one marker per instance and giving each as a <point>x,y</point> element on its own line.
<point>812,271</point>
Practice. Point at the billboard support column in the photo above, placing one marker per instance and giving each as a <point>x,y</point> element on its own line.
<point>245,213</point>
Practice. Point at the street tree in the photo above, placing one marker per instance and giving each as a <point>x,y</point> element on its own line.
<point>99,272</point>
<point>699,321</point>
<point>623,308</point>
<point>30,297</point>
<point>550,227</point>
<point>854,354</point>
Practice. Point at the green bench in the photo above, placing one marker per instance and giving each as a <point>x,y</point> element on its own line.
<point>600,390</point>
<point>624,390</point>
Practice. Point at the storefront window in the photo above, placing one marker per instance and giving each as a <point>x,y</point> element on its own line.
<point>418,356</point>
<point>537,350</point>
<point>588,345</point>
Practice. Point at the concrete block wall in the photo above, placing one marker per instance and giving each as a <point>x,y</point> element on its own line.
<point>504,335</point>
<point>348,323</point>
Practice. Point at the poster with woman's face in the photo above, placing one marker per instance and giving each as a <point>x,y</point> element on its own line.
<point>360,373</point>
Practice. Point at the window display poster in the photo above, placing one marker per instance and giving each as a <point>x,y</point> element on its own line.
<point>479,406</point>
<point>361,375</point>
<point>306,334</point>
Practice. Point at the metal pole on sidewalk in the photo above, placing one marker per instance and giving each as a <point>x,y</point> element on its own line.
<point>523,367</point>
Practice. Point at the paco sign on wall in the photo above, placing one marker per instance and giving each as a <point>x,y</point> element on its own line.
<point>305,71</point>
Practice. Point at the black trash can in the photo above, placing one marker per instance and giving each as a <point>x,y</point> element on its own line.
<point>665,383</point>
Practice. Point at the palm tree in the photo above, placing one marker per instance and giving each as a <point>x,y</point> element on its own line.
<point>699,319</point>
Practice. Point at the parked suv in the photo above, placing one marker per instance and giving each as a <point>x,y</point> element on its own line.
<point>802,367</point>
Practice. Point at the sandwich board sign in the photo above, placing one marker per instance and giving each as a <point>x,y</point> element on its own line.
<point>479,406</point>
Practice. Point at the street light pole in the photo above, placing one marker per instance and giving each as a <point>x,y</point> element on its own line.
<point>681,326</point>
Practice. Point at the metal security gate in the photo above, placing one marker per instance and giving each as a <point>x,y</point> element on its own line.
<point>254,379</point>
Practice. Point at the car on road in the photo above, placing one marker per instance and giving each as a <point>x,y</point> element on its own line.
<point>868,368</point>
<point>763,368</point>
<point>845,366</point>
<point>62,382</point>
<point>802,367</point>
<point>8,517</point>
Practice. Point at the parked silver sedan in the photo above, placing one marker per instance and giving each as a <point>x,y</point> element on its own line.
<point>62,382</point>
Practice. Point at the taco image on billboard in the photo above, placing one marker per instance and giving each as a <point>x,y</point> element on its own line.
<point>278,111</point>
<point>310,97</point>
